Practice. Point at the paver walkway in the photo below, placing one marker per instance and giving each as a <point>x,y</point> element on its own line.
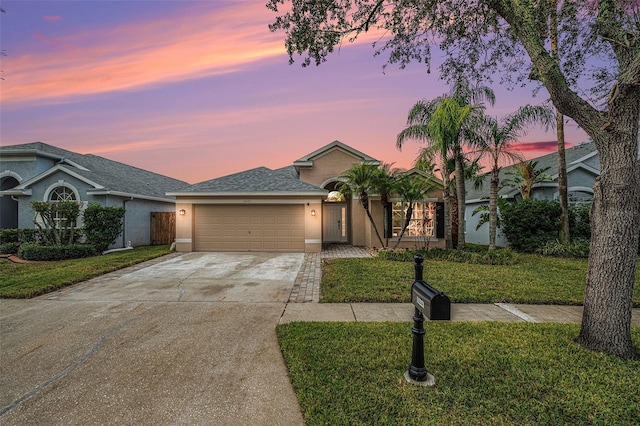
<point>306,288</point>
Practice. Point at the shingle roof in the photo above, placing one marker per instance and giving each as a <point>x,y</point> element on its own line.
<point>112,175</point>
<point>258,180</point>
<point>572,155</point>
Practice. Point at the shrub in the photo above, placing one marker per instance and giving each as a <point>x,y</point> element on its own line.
<point>579,222</point>
<point>19,235</point>
<point>530,224</point>
<point>33,251</point>
<point>57,220</point>
<point>573,249</point>
<point>9,248</point>
<point>477,255</point>
<point>102,225</point>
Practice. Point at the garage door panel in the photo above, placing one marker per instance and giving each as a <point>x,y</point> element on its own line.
<point>249,228</point>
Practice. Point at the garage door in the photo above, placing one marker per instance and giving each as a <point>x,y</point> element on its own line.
<point>249,228</point>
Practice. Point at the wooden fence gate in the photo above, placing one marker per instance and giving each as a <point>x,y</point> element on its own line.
<point>163,228</point>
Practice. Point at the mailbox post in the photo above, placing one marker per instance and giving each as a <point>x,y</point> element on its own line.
<point>417,372</point>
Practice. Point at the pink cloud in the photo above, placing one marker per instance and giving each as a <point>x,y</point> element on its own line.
<point>130,56</point>
<point>201,42</point>
<point>46,39</point>
<point>52,18</point>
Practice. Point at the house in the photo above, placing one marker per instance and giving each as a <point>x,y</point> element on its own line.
<point>296,209</point>
<point>41,172</point>
<point>583,166</point>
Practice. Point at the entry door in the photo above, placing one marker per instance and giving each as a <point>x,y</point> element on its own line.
<point>334,223</point>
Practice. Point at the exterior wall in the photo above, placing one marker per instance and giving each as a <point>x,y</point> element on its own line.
<point>328,166</point>
<point>577,180</point>
<point>481,236</point>
<point>358,224</point>
<point>26,166</point>
<point>313,228</point>
<point>137,217</point>
<point>184,227</point>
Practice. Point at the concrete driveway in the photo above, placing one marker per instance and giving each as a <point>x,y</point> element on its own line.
<point>188,340</point>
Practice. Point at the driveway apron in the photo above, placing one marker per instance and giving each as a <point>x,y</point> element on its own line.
<point>188,340</point>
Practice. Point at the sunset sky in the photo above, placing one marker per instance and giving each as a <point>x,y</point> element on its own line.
<point>199,89</point>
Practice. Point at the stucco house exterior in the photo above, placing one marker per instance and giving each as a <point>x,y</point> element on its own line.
<point>583,166</point>
<point>41,172</point>
<point>295,209</point>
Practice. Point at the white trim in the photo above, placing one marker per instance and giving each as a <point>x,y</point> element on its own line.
<point>9,173</point>
<point>51,171</point>
<point>313,241</point>
<point>129,195</point>
<point>57,185</point>
<point>585,157</point>
<point>331,180</point>
<point>246,201</point>
<point>321,193</point>
<point>183,240</point>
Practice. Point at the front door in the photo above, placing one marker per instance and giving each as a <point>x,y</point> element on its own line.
<point>334,223</point>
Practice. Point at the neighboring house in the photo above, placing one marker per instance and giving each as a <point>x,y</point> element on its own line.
<point>583,166</point>
<point>41,172</point>
<point>293,209</point>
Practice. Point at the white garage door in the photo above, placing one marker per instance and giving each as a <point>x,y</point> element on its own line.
<point>249,228</point>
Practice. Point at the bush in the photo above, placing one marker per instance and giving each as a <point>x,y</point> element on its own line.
<point>530,224</point>
<point>477,255</point>
<point>9,248</point>
<point>580,226</point>
<point>102,225</point>
<point>33,251</point>
<point>19,235</point>
<point>573,249</point>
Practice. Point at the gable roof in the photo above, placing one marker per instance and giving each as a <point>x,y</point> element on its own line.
<point>307,160</point>
<point>104,175</point>
<point>574,156</point>
<point>258,181</point>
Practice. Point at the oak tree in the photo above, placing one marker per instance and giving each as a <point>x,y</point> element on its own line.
<point>600,43</point>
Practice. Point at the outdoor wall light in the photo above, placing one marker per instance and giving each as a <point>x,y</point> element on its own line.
<point>313,212</point>
<point>181,212</point>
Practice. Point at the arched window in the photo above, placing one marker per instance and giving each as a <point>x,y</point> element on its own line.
<point>62,193</point>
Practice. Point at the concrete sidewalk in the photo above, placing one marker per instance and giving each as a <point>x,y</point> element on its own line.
<point>375,312</point>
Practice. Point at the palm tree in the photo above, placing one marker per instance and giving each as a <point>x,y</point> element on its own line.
<point>359,180</point>
<point>411,189</point>
<point>494,139</point>
<point>525,176</point>
<point>383,182</point>
<point>442,124</point>
<point>418,129</point>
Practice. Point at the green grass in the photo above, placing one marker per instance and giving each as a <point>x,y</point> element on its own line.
<point>486,374</point>
<point>19,281</point>
<point>533,279</point>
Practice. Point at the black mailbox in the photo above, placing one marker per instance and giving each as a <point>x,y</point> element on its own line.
<point>426,299</point>
<point>432,303</point>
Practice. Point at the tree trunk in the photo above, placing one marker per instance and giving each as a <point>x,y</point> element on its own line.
<point>453,202</point>
<point>615,211</point>
<point>461,195</point>
<point>563,195</point>
<point>364,200</point>
<point>493,208</point>
<point>447,209</point>
<point>615,225</point>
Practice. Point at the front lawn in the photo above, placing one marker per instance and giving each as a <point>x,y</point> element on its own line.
<point>486,373</point>
<point>24,280</point>
<point>534,279</point>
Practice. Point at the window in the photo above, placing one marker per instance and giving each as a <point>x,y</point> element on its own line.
<point>62,193</point>
<point>422,222</point>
